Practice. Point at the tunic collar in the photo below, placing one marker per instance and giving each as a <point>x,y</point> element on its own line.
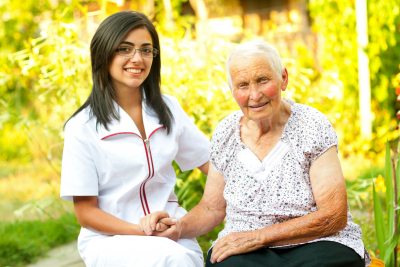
<point>125,125</point>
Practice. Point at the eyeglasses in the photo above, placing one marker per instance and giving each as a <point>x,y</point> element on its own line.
<point>129,51</point>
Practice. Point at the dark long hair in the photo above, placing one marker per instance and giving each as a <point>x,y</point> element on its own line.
<point>106,40</point>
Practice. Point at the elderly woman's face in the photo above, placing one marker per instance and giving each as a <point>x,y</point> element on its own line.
<point>256,88</point>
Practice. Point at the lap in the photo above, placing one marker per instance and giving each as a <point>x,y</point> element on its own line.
<point>124,250</point>
<point>317,254</point>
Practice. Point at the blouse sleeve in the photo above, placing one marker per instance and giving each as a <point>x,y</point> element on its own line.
<point>322,137</point>
<point>193,145</point>
<point>78,173</point>
<point>221,147</point>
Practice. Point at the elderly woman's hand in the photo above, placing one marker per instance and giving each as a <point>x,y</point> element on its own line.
<point>173,232</point>
<point>234,244</point>
<point>150,223</point>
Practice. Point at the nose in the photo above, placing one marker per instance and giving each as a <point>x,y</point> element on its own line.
<point>136,57</point>
<point>255,93</point>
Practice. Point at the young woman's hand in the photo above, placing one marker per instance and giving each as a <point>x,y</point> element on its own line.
<point>173,232</point>
<point>150,223</point>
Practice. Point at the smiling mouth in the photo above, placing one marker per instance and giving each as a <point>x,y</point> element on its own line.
<point>136,71</point>
<point>260,105</point>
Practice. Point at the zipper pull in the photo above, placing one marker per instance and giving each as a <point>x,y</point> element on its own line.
<point>147,142</point>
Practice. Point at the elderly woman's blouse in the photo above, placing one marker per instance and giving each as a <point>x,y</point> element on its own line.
<point>260,194</point>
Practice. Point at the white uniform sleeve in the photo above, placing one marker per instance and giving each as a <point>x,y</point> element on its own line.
<point>78,172</point>
<point>193,145</point>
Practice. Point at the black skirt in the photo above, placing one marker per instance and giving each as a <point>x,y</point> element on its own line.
<point>318,254</point>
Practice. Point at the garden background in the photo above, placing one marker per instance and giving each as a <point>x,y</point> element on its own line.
<point>45,76</point>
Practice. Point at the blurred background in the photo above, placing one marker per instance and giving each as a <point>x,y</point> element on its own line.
<point>342,57</point>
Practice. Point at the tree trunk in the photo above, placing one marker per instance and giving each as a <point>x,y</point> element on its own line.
<point>149,8</point>
<point>363,69</point>
<point>200,9</point>
<point>168,13</point>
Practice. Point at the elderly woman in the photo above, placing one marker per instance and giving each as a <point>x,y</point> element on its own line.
<point>275,177</point>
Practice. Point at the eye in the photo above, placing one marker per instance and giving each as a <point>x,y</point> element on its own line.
<point>146,50</point>
<point>125,49</point>
<point>242,85</point>
<point>263,80</point>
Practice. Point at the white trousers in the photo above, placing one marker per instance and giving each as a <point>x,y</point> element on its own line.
<point>141,251</point>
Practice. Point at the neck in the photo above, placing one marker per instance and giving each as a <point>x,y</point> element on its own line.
<point>272,124</point>
<point>129,99</point>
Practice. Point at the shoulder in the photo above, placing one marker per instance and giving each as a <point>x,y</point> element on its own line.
<point>307,117</point>
<point>77,122</point>
<point>310,128</point>
<point>227,127</point>
<point>171,102</point>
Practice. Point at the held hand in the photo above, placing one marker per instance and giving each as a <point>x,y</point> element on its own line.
<point>234,244</point>
<point>174,232</point>
<point>150,224</point>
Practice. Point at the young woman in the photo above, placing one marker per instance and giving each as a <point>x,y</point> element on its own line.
<point>118,151</point>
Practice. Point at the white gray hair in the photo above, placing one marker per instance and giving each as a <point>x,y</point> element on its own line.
<point>255,48</point>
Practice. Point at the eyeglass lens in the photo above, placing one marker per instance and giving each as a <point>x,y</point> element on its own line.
<point>127,51</point>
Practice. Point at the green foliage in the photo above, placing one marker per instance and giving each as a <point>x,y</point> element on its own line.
<point>385,224</point>
<point>21,29</point>
<point>22,242</point>
<point>366,222</point>
<point>335,20</point>
<point>45,76</point>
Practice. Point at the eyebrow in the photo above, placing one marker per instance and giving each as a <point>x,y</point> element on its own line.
<point>132,44</point>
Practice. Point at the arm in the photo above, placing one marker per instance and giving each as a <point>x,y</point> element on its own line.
<point>208,214</point>
<point>90,216</point>
<point>204,168</point>
<point>210,211</point>
<point>155,220</point>
<point>329,191</point>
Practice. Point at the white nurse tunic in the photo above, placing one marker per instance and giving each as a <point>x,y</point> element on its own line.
<point>131,178</point>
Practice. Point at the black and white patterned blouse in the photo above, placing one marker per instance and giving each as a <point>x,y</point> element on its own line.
<point>260,194</point>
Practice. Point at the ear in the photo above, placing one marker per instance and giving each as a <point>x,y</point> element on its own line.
<point>285,79</point>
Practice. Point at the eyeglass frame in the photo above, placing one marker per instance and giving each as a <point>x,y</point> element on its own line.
<point>140,51</point>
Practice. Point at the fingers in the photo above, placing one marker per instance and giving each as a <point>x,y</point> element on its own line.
<point>218,254</point>
<point>148,223</point>
<point>222,256</point>
<point>161,227</point>
<point>156,216</point>
<point>168,221</point>
<point>173,233</point>
<point>152,222</point>
<point>147,227</point>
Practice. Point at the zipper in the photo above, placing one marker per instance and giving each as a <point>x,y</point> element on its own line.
<point>150,163</point>
<point>142,191</point>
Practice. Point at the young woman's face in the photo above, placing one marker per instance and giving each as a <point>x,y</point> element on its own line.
<point>129,73</point>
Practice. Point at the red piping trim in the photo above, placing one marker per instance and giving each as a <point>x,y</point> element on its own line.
<point>152,165</point>
<point>142,190</point>
<point>174,202</point>
<point>154,131</point>
<point>119,133</point>
<point>148,178</point>
<point>144,183</point>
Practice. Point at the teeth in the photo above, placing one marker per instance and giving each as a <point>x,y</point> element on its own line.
<point>259,105</point>
<point>134,70</point>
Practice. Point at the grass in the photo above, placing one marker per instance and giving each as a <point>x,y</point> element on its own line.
<point>33,218</point>
<point>22,242</point>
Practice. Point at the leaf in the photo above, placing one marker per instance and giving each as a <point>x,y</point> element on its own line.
<point>398,197</point>
<point>390,250</point>
<point>389,191</point>
<point>380,225</point>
